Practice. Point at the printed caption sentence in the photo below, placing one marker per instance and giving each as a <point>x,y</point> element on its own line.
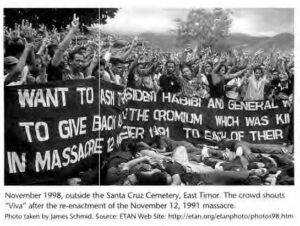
<point>174,206</point>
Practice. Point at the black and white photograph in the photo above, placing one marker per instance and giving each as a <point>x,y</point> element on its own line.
<point>51,69</point>
<point>200,96</point>
<point>148,96</point>
<point>179,112</point>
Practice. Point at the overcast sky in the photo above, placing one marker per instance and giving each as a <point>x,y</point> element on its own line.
<point>255,22</point>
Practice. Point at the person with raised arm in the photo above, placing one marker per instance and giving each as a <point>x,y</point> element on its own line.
<point>56,67</point>
<point>16,70</point>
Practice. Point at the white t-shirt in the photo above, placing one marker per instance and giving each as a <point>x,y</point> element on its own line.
<point>255,90</point>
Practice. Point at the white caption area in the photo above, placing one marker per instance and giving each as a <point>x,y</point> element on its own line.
<point>150,205</point>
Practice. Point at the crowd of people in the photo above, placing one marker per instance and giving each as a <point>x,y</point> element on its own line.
<point>41,55</point>
<point>38,55</point>
<point>201,72</point>
<point>205,73</point>
<point>163,161</point>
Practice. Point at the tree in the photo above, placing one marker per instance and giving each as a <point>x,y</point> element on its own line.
<point>205,26</point>
<point>106,13</point>
<point>59,17</point>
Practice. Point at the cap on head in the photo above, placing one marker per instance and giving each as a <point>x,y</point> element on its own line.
<point>10,60</point>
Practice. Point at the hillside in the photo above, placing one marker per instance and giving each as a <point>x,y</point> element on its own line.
<point>282,42</point>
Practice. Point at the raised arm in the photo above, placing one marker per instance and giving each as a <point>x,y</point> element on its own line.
<point>21,64</point>
<point>111,73</point>
<point>45,59</point>
<point>234,75</point>
<point>214,75</point>
<point>129,51</point>
<point>58,56</point>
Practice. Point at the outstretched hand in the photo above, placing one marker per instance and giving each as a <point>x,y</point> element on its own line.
<point>75,22</point>
<point>27,31</point>
<point>14,34</point>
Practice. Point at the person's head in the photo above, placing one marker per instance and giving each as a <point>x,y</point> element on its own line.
<point>195,66</point>
<point>147,82</point>
<point>76,60</point>
<point>35,69</point>
<point>96,72</point>
<point>81,50</point>
<point>10,64</point>
<point>222,70</point>
<point>15,49</point>
<point>208,68</point>
<point>186,72</point>
<point>38,63</point>
<point>275,74</point>
<point>142,60</point>
<point>283,78</point>
<point>159,68</point>
<point>114,175</point>
<point>170,66</point>
<point>89,51</point>
<point>154,177</point>
<point>129,145</point>
<point>102,70</point>
<point>258,72</point>
<point>118,68</point>
<point>102,67</point>
<point>139,68</point>
<point>51,49</point>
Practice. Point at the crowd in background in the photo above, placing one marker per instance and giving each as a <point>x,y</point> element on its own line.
<point>40,55</point>
<point>202,71</point>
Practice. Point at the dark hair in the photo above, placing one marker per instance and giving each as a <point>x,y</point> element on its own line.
<point>115,61</point>
<point>157,178</point>
<point>14,49</point>
<point>130,77</point>
<point>170,62</point>
<point>102,62</point>
<point>182,66</point>
<point>9,67</point>
<point>129,145</point>
<point>51,49</point>
<point>257,68</point>
<point>210,63</point>
<point>222,65</point>
<point>155,140</point>
<point>73,53</point>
